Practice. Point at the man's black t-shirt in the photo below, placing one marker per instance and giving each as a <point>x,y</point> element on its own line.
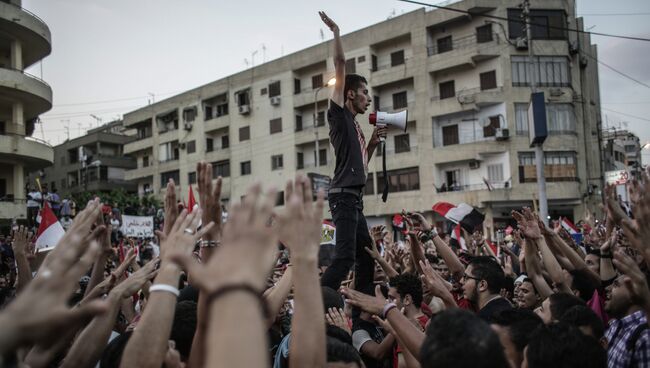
<point>365,331</point>
<point>493,307</point>
<point>347,139</point>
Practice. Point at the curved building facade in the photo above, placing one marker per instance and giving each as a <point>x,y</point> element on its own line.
<point>25,39</point>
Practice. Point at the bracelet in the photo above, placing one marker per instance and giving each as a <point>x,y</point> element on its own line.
<point>240,287</point>
<point>210,243</point>
<point>387,309</point>
<point>165,287</point>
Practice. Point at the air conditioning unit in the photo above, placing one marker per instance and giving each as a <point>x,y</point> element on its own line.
<point>502,134</point>
<point>556,92</point>
<point>474,164</point>
<point>521,44</point>
<point>187,125</point>
<point>275,100</point>
<point>244,109</point>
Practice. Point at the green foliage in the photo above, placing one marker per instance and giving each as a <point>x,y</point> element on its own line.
<point>116,196</point>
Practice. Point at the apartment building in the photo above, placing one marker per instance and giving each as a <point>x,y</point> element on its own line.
<point>465,82</point>
<point>94,162</point>
<point>24,40</point>
<point>622,151</point>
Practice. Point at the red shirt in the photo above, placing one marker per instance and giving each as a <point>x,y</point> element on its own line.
<point>423,320</point>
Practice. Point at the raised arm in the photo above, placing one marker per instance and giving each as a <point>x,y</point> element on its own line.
<point>339,61</point>
<point>19,245</point>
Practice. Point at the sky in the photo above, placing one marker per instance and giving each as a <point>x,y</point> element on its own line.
<point>112,57</point>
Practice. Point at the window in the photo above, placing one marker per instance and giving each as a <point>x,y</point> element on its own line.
<point>361,59</point>
<point>444,44</point>
<point>144,131</point>
<point>145,161</point>
<point>320,120</point>
<point>484,33</point>
<point>449,135</point>
<point>168,151</point>
<point>209,145</point>
<point>399,100</point>
<point>189,114</point>
<point>545,24</point>
<point>370,185</point>
<point>174,175</point>
<point>276,125</point>
<point>280,198</point>
<point>560,118</point>
<point>401,180</point>
<point>221,168</point>
<point>322,157</point>
<point>495,173</point>
<point>191,177</point>
<point>373,62</point>
<point>191,146</point>
<point>350,66</point>
<point>222,109</point>
<point>244,133</point>
<point>488,80</point>
<point>277,162</point>
<point>298,123</point>
<point>245,168</point>
<point>402,143</point>
<point>263,91</point>
<point>242,97</point>
<point>521,118</point>
<point>375,101</point>
<point>300,160</point>
<point>317,81</point>
<point>558,166</point>
<point>225,141</point>
<point>548,71</point>
<point>397,58</point>
<point>167,122</point>
<point>296,86</point>
<point>447,89</point>
<point>491,129</point>
<point>274,89</point>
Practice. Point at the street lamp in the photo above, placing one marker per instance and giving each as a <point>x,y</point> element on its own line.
<point>329,83</point>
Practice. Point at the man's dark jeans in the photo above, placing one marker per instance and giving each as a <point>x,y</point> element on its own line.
<point>352,237</point>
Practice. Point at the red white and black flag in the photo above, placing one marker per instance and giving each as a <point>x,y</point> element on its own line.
<point>468,217</point>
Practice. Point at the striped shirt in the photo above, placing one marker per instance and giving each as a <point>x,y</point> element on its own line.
<point>619,335</point>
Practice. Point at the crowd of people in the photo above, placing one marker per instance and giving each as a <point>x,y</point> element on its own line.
<point>259,290</point>
<point>247,293</point>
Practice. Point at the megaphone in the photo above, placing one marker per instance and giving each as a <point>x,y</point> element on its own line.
<point>382,119</point>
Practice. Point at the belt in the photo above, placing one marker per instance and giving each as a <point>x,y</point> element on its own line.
<point>356,192</point>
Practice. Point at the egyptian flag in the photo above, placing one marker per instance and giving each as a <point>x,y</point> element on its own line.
<point>468,217</point>
<point>571,229</point>
<point>191,201</point>
<point>495,249</point>
<point>457,239</point>
<point>399,224</point>
<point>50,230</point>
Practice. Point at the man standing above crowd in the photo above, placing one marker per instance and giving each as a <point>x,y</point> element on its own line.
<point>349,98</point>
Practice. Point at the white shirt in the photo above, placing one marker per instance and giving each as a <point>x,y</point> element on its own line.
<point>36,197</point>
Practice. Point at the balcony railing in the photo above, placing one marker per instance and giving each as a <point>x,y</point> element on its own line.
<point>32,76</point>
<point>460,44</point>
<point>472,187</point>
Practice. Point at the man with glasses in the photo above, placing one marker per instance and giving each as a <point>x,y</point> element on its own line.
<point>482,283</point>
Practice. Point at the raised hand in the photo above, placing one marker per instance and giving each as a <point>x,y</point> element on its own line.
<point>634,280</point>
<point>136,280</point>
<point>378,232</point>
<point>210,199</point>
<point>299,226</point>
<point>638,231</point>
<point>328,22</point>
<point>171,209</point>
<point>182,236</point>
<point>419,221</point>
<point>372,250</point>
<point>21,238</point>
<point>527,223</point>
<point>371,304</point>
<point>336,317</point>
<point>437,286</point>
<point>614,211</point>
<point>248,245</point>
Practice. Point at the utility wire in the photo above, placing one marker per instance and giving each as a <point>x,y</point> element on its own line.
<point>625,114</point>
<point>523,22</point>
<point>615,70</point>
<point>610,14</point>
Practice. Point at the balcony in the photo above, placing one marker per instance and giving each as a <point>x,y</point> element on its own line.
<point>217,154</point>
<point>30,152</point>
<point>138,145</point>
<point>35,94</point>
<point>465,100</point>
<point>307,134</point>
<point>32,32</point>
<point>14,209</point>
<point>465,52</point>
<point>468,151</point>
<point>217,123</point>
<point>387,73</point>
<point>139,173</point>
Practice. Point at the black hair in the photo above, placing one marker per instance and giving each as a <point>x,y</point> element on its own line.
<point>338,333</point>
<point>431,258</point>
<point>583,316</point>
<point>331,298</point>
<point>560,345</point>
<point>486,268</point>
<point>112,354</point>
<point>585,284</point>
<point>519,322</point>
<point>562,302</point>
<point>352,82</point>
<point>339,351</point>
<point>184,327</point>
<point>408,284</point>
<point>448,337</point>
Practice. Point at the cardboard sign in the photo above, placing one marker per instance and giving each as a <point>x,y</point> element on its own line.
<point>617,177</point>
<point>137,226</point>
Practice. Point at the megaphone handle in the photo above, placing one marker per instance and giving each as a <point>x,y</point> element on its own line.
<point>384,195</point>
